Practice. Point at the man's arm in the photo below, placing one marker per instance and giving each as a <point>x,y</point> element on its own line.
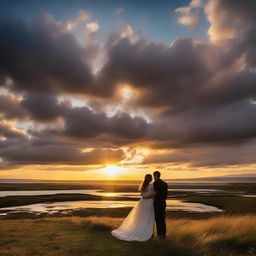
<point>166,190</point>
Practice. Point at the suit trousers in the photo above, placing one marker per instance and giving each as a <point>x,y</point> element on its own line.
<point>159,208</point>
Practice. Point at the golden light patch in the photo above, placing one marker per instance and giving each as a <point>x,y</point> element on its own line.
<point>111,170</point>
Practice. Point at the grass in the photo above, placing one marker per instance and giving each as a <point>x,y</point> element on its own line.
<point>226,235</point>
<point>87,231</point>
<point>249,188</point>
<point>229,203</point>
<point>90,236</point>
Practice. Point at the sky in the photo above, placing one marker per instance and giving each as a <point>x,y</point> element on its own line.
<point>117,89</point>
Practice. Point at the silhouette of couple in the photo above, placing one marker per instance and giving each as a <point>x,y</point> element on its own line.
<point>150,209</point>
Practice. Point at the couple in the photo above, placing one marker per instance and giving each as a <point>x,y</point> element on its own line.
<point>139,224</point>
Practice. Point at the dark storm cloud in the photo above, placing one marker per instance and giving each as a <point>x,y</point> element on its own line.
<point>42,107</point>
<point>10,107</point>
<point>81,122</point>
<point>129,127</point>
<point>42,57</point>
<point>184,74</point>
<point>228,88</point>
<point>214,156</point>
<point>7,131</point>
<point>197,94</point>
<point>226,124</point>
<point>50,152</point>
<point>167,75</point>
<point>63,146</point>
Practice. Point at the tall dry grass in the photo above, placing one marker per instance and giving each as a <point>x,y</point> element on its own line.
<point>218,236</point>
<point>227,234</point>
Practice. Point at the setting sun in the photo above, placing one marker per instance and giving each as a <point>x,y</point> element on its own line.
<point>111,170</point>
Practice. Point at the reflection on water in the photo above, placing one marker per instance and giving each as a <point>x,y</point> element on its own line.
<point>137,195</point>
<point>46,192</point>
<point>172,205</point>
<point>197,190</point>
<point>77,191</point>
<point>50,208</point>
<point>97,192</point>
<point>249,195</point>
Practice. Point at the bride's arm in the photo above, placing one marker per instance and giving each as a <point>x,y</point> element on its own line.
<point>149,194</point>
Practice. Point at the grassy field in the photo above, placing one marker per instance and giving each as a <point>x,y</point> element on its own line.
<point>76,236</point>
<point>86,232</point>
<point>229,203</point>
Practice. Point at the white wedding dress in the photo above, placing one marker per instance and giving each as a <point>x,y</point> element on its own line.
<point>139,224</point>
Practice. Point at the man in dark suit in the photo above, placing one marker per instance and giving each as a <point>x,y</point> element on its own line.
<point>161,189</point>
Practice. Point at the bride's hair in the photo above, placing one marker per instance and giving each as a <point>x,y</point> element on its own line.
<point>147,180</point>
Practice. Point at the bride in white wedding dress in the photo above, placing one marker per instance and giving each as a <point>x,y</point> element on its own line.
<point>139,224</point>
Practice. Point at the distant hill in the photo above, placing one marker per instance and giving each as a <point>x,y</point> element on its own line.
<point>221,179</point>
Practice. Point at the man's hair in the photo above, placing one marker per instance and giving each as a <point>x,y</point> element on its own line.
<point>157,174</point>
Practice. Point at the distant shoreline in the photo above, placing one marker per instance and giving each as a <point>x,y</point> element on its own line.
<point>223,179</point>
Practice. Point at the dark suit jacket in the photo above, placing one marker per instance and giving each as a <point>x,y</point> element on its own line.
<point>161,189</point>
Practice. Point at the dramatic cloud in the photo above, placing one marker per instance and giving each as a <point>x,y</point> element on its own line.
<point>229,19</point>
<point>166,75</point>
<point>208,125</point>
<point>92,26</point>
<point>10,107</point>
<point>189,15</point>
<point>90,100</point>
<point>42,57</point>
<point>212,157</point>
<point>81,122</point>
<point>82,17</point>
<point>8,131</point>
<point>44,152</point>
<point>42,107</point>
